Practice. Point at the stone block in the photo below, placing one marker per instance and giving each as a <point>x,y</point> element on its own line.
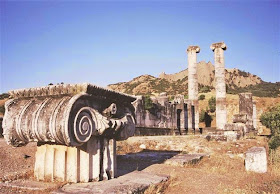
<point>240,118</point>
<point>134,182</point>
<point>108,170</point>
<point>235,127</point>
<point>39,169</point>
<point>246,104</point>
<point>59,163</point>
<point>231,135</point>
<point>217,136</point>
<point>74,164</point>
<point>93,148</point>
<point>185,159</point>
<point>84,165</point>
<point>71,165</point>
<point>256,160</point>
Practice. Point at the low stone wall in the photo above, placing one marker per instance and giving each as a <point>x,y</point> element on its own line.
<point>142,131</point>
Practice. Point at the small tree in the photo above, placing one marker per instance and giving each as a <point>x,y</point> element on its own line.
<point>2,109</point>
<point>148,103</point>
<point>202,116</point>
<point>212,104</point>
<point>201,97</point>
<point>4,95</point>
<point>205,89</point>
<point>271,119</point>
<point>205,117</point>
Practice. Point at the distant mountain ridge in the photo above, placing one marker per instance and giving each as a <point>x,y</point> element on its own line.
<point>236,80</point>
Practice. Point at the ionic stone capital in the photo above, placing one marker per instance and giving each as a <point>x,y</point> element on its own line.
<point>193,48</point>
<point>221,45</point>
<point>67,115</point>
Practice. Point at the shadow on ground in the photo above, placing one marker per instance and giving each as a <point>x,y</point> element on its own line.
<point>141,160</point>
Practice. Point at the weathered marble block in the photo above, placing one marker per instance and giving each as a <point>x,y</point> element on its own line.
<point>239,118</point>
<point>231,135</point>
<point>76,127</point>
<point>256,160</point>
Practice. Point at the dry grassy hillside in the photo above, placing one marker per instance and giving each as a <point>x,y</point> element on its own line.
<point>236,80</point>
<point>206,76</point>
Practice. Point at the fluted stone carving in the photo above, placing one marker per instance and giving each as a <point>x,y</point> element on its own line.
<point>76,127</point>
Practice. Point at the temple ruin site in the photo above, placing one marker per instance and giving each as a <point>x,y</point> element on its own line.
<point>81,138</point>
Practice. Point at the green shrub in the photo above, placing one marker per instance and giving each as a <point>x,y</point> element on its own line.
<point>205,117</point>
<point>170,98</point>
<point>2,109</point>
<point>129,88</point>
<point>4,95</point>
<point>263,89</point>
<point>271,119</point>
<point>274,142</point>
<point>202,116</point>
<point>148,103</point>
<point>212,104</point>
<point>201,97</point>
<point>205,89</point>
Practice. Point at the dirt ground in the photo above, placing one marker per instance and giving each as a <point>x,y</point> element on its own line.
<point>222,172</point>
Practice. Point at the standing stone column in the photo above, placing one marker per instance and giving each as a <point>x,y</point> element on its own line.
<point>221,109</point>
<point>193,86</point>
<point>255,115</point>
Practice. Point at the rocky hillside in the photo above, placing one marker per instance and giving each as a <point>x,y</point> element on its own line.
<point>237,81</point>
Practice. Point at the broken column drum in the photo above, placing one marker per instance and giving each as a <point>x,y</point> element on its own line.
<point>221,109</point>
<point>75,127</point>
<point>193,86</point>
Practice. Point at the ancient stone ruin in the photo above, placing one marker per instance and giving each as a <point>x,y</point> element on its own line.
<point>75,126</point>
<point>245,121</point>
<point>164,113</point>
<point>179,113</point>
<point>182,115</point>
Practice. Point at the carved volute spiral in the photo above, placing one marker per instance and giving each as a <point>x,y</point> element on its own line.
<point>84,125</point>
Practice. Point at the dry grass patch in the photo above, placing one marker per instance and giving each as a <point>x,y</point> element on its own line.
<point>161,187</point>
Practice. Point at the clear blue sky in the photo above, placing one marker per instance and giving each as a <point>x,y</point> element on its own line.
<point>109,42</point>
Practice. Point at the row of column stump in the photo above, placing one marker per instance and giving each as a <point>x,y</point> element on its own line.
<point>94,161</point>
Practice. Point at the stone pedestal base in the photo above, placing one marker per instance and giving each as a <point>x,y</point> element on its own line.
<point>95,160</point>
<point>256,160</point>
